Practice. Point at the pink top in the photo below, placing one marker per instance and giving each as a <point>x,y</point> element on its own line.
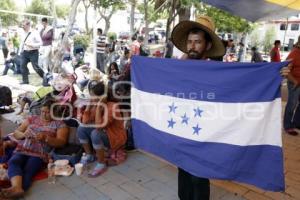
<point>30,146</point>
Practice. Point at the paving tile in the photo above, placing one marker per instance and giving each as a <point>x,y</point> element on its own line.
<point>230,186</point>
<point>88,192</point>
<point>160,188</point>
<point>114,192</point>
<point>255,196</point>
<point>135,163</point>
<point>50,192</point>
<point>278,196</point>
<point>293,192</point>
<point>154,173</point>
<point>71,181</point>
<point>151,160</point>
<point>133,174</point>
<point>115,176</point>
<point>166,198</point>
<point>230,196</point>
<point>216,192</point>
<point>138,191</point>
<point>95,182</point>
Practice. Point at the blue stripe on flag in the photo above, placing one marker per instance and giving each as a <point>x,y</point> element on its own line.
<point>260,165</point>
<point>208,80</point>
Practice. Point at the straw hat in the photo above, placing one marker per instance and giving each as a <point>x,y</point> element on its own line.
<point>180,34</point>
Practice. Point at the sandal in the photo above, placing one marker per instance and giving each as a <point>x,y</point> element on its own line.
<point>5,193</point>
<point>98,170</point>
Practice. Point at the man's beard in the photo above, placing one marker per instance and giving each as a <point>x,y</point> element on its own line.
<point>194,54</point>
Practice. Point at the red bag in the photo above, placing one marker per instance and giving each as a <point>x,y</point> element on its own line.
<point>116,157</point>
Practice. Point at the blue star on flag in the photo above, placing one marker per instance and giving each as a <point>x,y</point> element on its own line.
<point>185,119</point>
<point>171,123</point>
<point>197,112</point>
<point>196,129</point>
<point>172,108</point>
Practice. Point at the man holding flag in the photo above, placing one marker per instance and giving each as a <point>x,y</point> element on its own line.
<point>201,44</point>
<point>221,121</point>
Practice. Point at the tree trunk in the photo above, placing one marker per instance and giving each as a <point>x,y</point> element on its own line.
<point>184,14</point>
<point>107,25</point>
<point>72,16</point>
<point>86,5</point>
<point>132,11</point>
<point>86,19</point>
<point>54,14</point>
<point>106,18</point>
<point>171,18</point>
<point>146,22</point>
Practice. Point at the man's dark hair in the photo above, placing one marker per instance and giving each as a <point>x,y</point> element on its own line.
<point>126,51</point>
<point>198,30</point>
<point>99,30</point>
<point>48,102</point>
<point>44,19</point>
<point>12,54</point>
<point>277,42</point>
<point>133,38</point>
<point>253,49</point>
<point>96,87</point>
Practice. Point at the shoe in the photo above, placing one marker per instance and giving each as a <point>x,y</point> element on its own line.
<point>291,132</point>
<point>98,170</point>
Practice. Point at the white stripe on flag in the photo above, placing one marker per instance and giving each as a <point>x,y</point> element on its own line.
<point>241,124</point>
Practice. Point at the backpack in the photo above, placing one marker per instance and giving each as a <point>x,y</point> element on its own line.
<point>5,96</point>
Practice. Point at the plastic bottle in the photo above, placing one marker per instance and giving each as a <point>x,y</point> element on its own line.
<point>51,172</point>
<point>84,160</point>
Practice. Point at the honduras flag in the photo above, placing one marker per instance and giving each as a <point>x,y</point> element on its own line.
<point>215,120</point>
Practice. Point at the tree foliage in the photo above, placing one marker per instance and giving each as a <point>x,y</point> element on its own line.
<point>39,7</point>
<point>62,11</point>
<point>224,21</point>
<point>107,8</point>
<point>153,15</point>
<point>7,18</point>
<point>269,38</point>
<point>255,38</point>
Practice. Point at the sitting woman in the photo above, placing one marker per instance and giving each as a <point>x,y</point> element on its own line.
<point>113,72</point>
<point>102,125</point>
<point>36,136</point>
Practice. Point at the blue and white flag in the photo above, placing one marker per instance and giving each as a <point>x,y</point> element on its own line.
<point>215,120</point>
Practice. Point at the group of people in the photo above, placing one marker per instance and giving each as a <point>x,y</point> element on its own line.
<point>197,40</point>
<point>101,130</point>
<point>33,44</point>
<point>234,54</point>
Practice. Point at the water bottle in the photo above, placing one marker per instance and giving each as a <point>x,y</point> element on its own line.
<point>51,172</point>
<point>84,160</point>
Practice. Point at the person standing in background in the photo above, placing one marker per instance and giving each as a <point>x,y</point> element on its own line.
<point>47,35</point>
<point>275,52</point>
<point>29,51</point>
<point>4,44</point>
<point>101,50</point>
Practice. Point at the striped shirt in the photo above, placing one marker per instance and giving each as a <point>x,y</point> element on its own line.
<point>101,44</point>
